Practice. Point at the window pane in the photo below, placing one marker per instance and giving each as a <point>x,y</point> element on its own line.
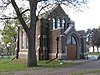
<point>58,23</point>
<point>26,42</point>
<point>69,40</point>
<point>73,40</point>
<point>54,21</point>
<point>63,23</point>
<point>22,40</point>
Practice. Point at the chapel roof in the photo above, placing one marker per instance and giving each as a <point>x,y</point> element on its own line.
<point>47,13</point>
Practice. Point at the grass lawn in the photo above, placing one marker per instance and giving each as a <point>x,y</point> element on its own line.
<point>94,53</point>
<point>8,65</point>
<point>20,64</point>
<point>55,64</point>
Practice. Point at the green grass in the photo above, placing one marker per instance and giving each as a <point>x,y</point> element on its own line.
<point>55,64</point>
<point>21,64</point>
<point>8,65</point>
<point>94,53</point>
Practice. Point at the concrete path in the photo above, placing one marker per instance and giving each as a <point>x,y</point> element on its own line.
<point>84,66</point>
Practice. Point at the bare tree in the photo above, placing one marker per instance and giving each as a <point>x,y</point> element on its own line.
<point>96,38</point>
<point>31,30</point>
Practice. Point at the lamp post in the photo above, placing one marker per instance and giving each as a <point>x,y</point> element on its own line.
<point>18,43</point>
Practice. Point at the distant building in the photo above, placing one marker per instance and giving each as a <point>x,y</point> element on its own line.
<point>55,37</point>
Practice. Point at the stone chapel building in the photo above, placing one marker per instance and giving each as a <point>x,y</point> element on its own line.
<point>56,37</point>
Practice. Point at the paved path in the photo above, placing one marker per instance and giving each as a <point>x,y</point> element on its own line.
<point>90,65</point>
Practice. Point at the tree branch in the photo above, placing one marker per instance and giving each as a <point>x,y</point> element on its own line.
<point>19,16</point>
<point>14,17</point>
<point>25,11</point>
<point>8,18</point>
<point>6,3</point>
<point>45,7</point>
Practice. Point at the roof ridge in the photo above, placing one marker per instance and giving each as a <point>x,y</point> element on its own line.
<point>49,11</point>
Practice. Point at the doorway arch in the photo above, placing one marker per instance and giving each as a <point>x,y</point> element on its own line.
<point>71,48</point>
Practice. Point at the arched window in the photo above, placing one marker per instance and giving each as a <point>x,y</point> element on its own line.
<point>63,23</point>
<point>58,23</point>
<point>22,39</point>
<point>26,42</point>
<point>71,40</point>
<point>53,23</point>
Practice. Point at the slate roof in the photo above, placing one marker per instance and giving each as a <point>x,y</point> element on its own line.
<point>82,33</point>
<point>68,29</point>
<point>47,13</point>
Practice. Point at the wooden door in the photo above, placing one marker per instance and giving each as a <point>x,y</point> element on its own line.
<point>71,52</point>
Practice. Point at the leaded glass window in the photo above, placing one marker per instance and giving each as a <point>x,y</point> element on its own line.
<point>63,23</point>
<point>71,40</point>
<point>58,23</point>
<point>54,23</point>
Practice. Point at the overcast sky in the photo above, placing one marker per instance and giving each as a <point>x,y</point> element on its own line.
<point>90,18</point>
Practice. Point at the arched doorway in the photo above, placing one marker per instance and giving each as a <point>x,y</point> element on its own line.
<point>71,48</point>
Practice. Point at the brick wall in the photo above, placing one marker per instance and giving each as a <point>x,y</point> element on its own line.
<point>53,42</point>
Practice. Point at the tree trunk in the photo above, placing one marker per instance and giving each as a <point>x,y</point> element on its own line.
<point>93,49</point>
<point>32,60</point>
<point>98,49</point>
